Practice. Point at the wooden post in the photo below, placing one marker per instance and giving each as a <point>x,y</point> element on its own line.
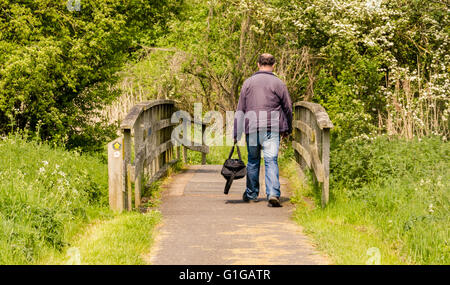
<point>312,143</point>
<point>203,158</point>
<point>138,145</point>
<point>326,165</point>
<point>137,189</point>
<point>129,191</point>
<point>185,154</point>
<point>115,174</point>
<point>127,161</point>
<point>203,144</point>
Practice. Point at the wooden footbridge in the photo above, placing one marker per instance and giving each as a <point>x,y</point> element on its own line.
<point>200,224</point>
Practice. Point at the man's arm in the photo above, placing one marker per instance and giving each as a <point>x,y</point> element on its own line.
<point>239,116</point>
<point>286,106</point>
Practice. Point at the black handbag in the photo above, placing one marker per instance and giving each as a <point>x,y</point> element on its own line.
<point>233,169</point>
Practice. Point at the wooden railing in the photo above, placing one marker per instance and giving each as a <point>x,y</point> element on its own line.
<point>144,152</point>
<point>311,142</point>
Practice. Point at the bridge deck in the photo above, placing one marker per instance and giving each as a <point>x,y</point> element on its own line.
<point>201,225</point>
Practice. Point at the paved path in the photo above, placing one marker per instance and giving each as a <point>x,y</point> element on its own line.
<point>201,225</point>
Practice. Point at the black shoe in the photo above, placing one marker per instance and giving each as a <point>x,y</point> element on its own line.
<point>246,199</point>
<point>274,201</point>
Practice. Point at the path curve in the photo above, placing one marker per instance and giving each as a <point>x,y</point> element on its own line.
<point>202,226</point>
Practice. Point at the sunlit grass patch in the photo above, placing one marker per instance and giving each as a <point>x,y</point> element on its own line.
<point>125,239</point>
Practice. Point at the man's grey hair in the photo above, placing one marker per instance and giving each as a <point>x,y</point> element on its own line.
<point>266,59</point>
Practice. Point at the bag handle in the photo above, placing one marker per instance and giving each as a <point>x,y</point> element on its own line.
<point>232,151</point>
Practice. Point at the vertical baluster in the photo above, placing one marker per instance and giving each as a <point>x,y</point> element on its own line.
<point>203,145</point>
<point>326,165</point>
<point>127,165</point>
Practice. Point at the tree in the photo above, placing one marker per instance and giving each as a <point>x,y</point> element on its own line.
<point>57,65</point>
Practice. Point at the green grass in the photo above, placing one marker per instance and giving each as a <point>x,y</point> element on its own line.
<point>125,239</point>
<point>53,200</point>
<point>46,195</point>
<point>216,155</point>
<point>389,194</point>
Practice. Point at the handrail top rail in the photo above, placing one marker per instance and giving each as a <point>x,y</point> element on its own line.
<point>135,112</point>
<point>323,121</point>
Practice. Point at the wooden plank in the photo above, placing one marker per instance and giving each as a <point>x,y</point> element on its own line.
<point>305,141</point>
<point>161,172</point>
<point>149,104</point>
<point>316,164</point>
<point>137,190</point>
<point>203,158</point>
<point>303,152</point>
<point>319,112</point>
<point>115,174</point>
<point>139,158</point>
<point>305,129</point>
<point>296,135</point>
<point>130,119</point>
<point>326,165</point>
<point>200,148</point>
<point>135,112</point>
<point>159,150</point>
<point>161,124</point>
<point>127,160</point>
<point>129,188</point>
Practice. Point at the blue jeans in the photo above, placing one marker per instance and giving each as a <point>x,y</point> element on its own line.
<point>269,142</point>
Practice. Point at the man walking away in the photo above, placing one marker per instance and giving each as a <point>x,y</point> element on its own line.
<point>264,112</point>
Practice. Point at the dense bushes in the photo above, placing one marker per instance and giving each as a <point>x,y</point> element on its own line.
<point>45,194</point>
<point>56,65</point>
<point>380,64</point>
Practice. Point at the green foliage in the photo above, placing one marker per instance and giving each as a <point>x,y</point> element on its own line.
<point>57,65</point>
<point>45,195</point>
<point>373,68</point>
<point>365,55</point>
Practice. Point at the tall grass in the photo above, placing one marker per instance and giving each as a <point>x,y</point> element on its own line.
<point>390,194</point>
<point>46,194</point>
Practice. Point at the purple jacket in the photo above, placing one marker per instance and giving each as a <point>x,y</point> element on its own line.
<point>264,103</point>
